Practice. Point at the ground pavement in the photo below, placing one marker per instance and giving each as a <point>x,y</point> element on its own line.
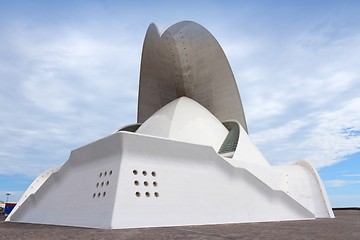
<point>345,226</point>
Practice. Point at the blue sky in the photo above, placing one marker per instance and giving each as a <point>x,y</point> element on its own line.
<point>69,74</point>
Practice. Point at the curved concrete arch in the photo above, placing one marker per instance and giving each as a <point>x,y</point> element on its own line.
<point>186,60</point>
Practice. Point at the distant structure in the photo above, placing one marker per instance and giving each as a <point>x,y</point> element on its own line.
<point>2,207</point>
<point>188,160</point>
<point>9,206</point>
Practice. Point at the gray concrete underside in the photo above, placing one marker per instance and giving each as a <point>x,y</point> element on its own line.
<point>186,60</point>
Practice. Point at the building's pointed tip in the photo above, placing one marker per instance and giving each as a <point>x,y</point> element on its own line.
<point>152,27</point>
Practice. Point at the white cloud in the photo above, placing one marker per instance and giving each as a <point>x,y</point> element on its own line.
<point>14,197</point>
<point>339,183</point>
<point>64,92</point>
<point>322,138</point>
<point>301,98</point>
<point>68,85</point>
<point>352,175</point>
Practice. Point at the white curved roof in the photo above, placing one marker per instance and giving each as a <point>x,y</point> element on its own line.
<point>186,120</point>
<point>186,60</point>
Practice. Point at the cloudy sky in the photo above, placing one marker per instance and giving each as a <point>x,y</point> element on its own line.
<point>69,75</point>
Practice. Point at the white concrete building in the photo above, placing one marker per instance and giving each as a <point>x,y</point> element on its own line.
<point>188,160</point>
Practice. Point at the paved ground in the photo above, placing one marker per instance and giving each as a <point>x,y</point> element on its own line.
<point>345,226</point>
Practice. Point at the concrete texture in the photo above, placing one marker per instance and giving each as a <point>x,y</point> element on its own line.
<point>346,225</point>
<point>186,60</point>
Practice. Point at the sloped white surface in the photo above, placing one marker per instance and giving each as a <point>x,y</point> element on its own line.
<point>34,186</point>
<point>194,185</point>
<point>187,121</point>
<point>247,151</point>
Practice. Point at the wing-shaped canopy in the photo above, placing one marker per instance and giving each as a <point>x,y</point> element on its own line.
<point>186,60</point>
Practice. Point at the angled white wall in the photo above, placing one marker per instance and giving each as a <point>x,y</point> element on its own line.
<point>129,180</point>
<point>153,182</point>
